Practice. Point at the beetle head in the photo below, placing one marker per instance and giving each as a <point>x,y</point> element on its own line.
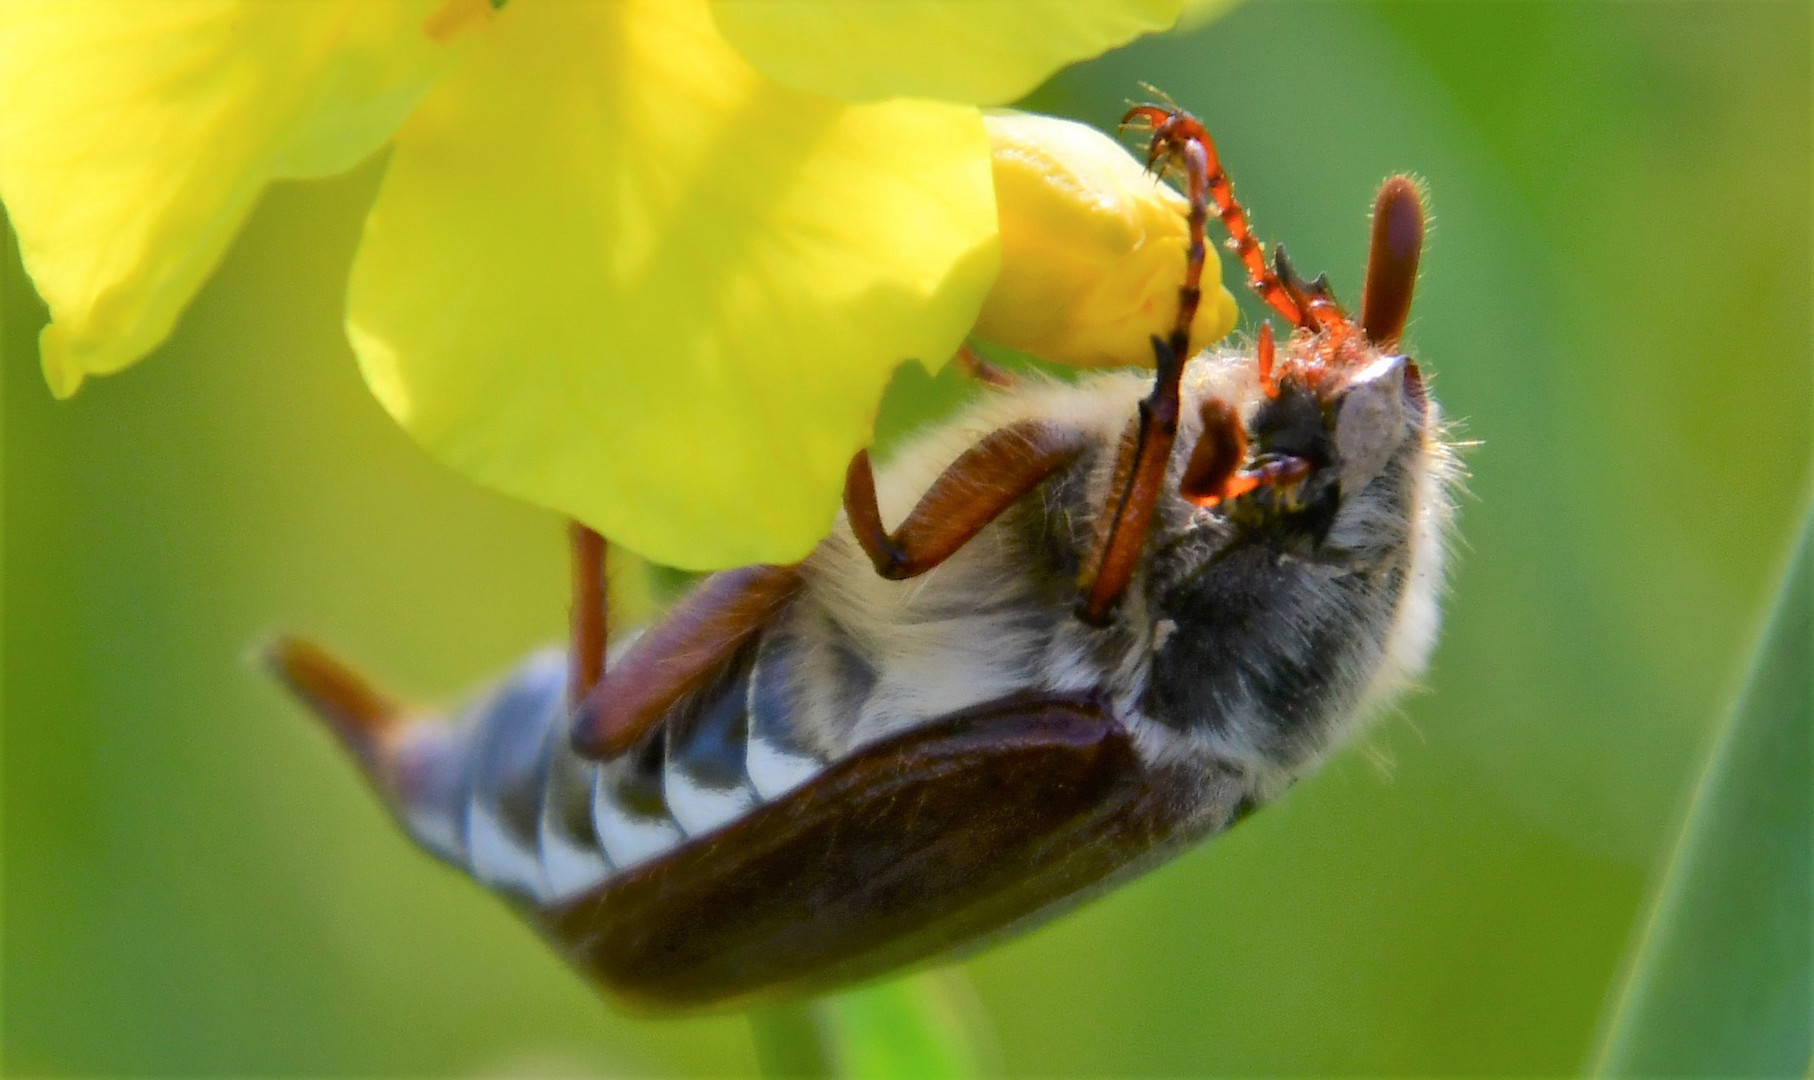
<point>1340,401</point>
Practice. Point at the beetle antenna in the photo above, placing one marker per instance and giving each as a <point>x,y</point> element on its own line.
<point>1398,233</point>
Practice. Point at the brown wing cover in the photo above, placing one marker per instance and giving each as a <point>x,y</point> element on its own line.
<point>903,851</point>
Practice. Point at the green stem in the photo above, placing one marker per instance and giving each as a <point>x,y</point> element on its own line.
<point>787,1043</point>
<point>921,1027</point>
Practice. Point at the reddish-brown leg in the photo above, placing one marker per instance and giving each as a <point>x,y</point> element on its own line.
<point>705,629</point>
<point>587,618</point>
<point>1179,141</point>
<point>972,364</point>
<point>1174,132</point>
<point>1133,493</point>
<point>679,655</point>
<point>1140,466</point>
<point>985,480</point>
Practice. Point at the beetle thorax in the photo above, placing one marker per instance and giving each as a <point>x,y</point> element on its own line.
<point>1286,617</point>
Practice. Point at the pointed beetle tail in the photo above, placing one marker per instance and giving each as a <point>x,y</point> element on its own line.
<point>362,717</point>
<point>417,763</point>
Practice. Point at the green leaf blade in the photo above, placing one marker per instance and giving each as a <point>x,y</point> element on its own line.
<point>1723,978</point>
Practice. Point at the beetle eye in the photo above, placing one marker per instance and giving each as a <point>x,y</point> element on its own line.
<point>1371,420</point>
<point>1414,388</point>
<point>1293,425</point>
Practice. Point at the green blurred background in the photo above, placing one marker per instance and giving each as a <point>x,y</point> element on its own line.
<point>1616,303</point>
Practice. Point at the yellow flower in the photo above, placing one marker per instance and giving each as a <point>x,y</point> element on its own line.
<point>1092,249</point>
<point>134,138</point>
<point>647,262</point>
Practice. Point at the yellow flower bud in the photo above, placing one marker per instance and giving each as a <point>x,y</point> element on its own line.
<point>1092,249</point>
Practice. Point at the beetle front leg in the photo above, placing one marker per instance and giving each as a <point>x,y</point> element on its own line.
<point>1134,489</point>
<point>984,481</point>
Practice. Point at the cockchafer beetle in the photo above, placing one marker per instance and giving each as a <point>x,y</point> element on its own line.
<point>1115,616</point>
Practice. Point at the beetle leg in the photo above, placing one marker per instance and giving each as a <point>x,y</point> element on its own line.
<point>1215,462</point>
<point>678,655</point>
<point>587,618</point>
<point>973,366</point>
<point>709,625</point>
<point>984,481</point>
<point>1179,139</point>
<point>1134,487</point>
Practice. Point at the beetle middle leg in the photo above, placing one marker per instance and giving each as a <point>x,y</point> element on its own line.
<point>707,627</point>
<point>678,655</point>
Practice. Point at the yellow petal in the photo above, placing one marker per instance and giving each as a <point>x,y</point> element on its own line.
<point>615,271</point>
<point>1092,249</point>
<point>134,137</point>
<point>988,52</point>
<point>1197,13</point>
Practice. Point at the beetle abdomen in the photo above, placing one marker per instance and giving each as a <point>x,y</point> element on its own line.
<point>501,794</point>
<point>702,868</point>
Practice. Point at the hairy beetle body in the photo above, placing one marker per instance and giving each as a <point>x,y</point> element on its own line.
<point>1115,616</point>
<point>1247,647</point>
